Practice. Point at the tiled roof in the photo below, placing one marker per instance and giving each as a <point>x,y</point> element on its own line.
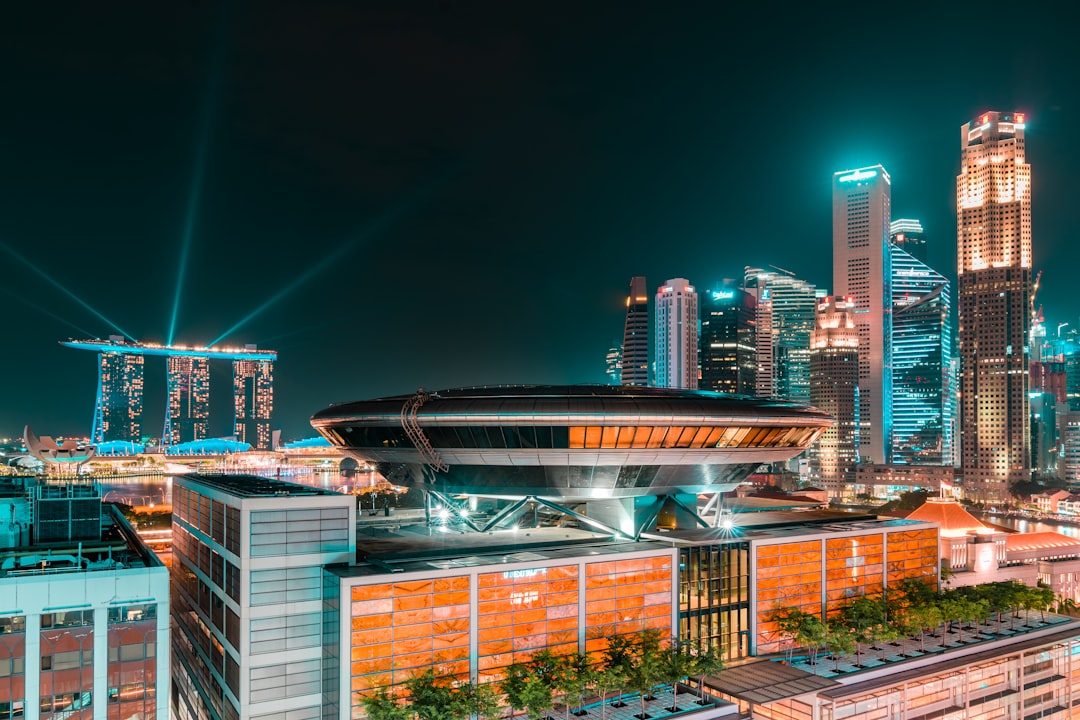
<point>1019,542</point>
<point>947,513</point>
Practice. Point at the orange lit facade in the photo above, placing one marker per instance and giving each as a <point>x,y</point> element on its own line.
<point>474,622</point>
<point>819,575</point>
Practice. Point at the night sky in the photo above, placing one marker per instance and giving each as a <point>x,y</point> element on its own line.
<point>396,195</point>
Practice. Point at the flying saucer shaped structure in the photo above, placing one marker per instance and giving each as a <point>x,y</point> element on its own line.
<point>575,442</point>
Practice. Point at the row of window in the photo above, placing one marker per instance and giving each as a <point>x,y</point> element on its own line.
<point>582,437</point>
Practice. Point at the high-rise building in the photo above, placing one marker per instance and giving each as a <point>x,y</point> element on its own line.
<point>907,234</point>
<point>635,349</point>
<point>923,392</point>
<point>834,388</point>
<point>84,607</point>
<point>247,568</point>
<point>861,270</point>
<point>677,335</point>
<point>613,363</point>
<point>119,406</point>
<point>786,307</point>
<point>993,206</point>
<point>188,413</point>
<point>728,351</point>
<point>253,399</point>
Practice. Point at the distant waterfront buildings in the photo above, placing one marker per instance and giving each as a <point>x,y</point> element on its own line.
<point>923,394</point>
<point>861,270</point>
<point>118,408</point>
<point>786,307</point>
<point>728,351</point>
<point>635,347</point>
<point>993,203</point>
<point>676,342</point>
<point>834,388</point>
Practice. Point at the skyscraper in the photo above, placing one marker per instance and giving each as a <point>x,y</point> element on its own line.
<point>635,350</point>
<point>834,388</point>
<point>861,214</point>
<point>188,381</point>
<point>253,399</point>
<point>923,392</point>
<point>993,208</point>
<point>119,407</point>
<point>727,351</point>
<point>677,335</point>
<point>786,309</point>
<point>907,234</point>
<point>613,363</point>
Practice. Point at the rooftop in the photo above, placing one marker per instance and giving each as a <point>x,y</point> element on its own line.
<point>255,486</point>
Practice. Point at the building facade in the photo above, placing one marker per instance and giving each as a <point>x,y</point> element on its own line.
<point>676,341</point>
<point>253,401</point>
<point>728,350</point>
<point>248,612</point>
<point>862,270</point>
<point>923,393</point>
<point>834,388</point>
<point>785,318</point>
<point>635,346</point>
<point>993,204</point>
<point>907,234</point>
<point>119,407</point>
<point>84,609</point>
<point>188,413</point>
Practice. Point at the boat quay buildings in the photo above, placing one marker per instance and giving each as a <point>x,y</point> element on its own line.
<point>84,608</point>
<point>289,605</point>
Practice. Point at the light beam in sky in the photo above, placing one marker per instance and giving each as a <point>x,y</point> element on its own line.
<point>56,283</point>
<point>198,171</point>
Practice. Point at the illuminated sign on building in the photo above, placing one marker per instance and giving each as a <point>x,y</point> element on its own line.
<point>527,573</point>
<point>858,176</point>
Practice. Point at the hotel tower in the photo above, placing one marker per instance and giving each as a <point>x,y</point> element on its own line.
<point>993,213</point>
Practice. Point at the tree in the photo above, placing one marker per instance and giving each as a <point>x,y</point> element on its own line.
<point>571,677</point>
<point>513,685</point>
<point>788,621</point>
<point>619,657</point>
<point>607,678</point>
<point>924,617</point>
<point>863,616</point>
<point>644,670</point>
<point>1043,597</point>
<point>384,705</point>
<point>708,660</point>
<point>840,641</point>
<point>432,696</point>
<point>811,635</point>
<point>481,701</point>
<point>676,664</point>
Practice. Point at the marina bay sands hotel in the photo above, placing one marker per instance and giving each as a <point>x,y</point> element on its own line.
<point>119,407</point>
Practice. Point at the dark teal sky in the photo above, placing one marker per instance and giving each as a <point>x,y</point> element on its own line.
<point>445,194</point>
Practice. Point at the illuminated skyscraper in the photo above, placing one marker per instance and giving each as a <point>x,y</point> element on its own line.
<point>677,335</point>
<point>119,407</point>
<point>613,363</point>
<point>635,349</point>
<point>923,393</point>
<point>786,309</point>
<point>907,235</point>
<point>993,207</point>
<point>861,214</point>
<point>834,388</point>
<point>728,351</point>
<point>253,396</point>
<point>188,380</point>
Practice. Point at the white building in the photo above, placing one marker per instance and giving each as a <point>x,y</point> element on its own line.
<point>861,270</point>
<point>84,609</point>
<point>248,557</point>
<point>677,335</point>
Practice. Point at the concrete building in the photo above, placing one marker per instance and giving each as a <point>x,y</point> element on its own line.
<point>834,388</point>
<point>993,206</point>
<point>676,341</point>
<point>84,608</point>
<point>862,271</point>
<point>248,557</point>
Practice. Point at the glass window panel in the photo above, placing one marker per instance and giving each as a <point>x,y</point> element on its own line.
<point>626,437</point>
<point>656,437</point>
<point>577,437</point>
<point>672,437</point>
<point>592,437</point>
<point>609,436</point>
<point>641,436</point>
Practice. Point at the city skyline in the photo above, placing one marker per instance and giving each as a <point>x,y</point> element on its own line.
<point>456,195</point>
